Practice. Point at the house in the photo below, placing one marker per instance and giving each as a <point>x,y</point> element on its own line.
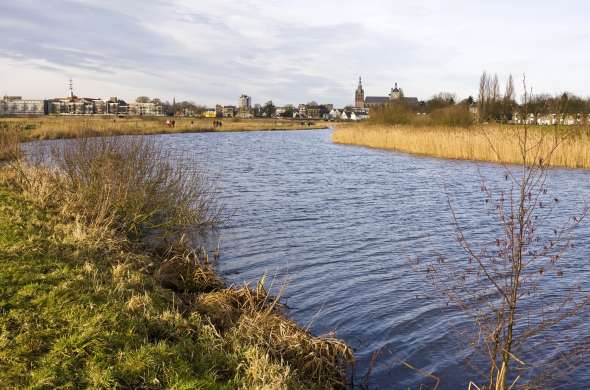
<point>145,109</point>
<point>361,113</point>
<point>312,112</point>
<point>348,116</point>
<point>301,111</point>
<point>210,113</point>
<point>551,119</point>
<point>229,111</point>
<point>334,114</point>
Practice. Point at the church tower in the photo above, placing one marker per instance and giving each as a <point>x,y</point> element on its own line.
<point>359,95</point>
<point>396,93</point>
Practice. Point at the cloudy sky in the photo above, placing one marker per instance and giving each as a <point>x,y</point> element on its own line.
<point>211,51</point>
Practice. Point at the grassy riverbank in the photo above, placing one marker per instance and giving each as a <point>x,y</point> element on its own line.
<point>52,127</point>
<point>86,302</point>
<point>472,143</point>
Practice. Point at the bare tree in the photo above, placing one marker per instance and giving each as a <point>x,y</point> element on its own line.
<point>495,89</point>
<point>509,94</point>
<point>481,98</point>
<point>504,283</point>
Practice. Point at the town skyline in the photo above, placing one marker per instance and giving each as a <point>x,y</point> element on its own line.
<point>209,53</point>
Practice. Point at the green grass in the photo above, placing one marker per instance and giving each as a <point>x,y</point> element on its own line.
<point>70,318</point>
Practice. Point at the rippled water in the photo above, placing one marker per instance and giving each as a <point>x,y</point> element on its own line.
<point>340,224</point>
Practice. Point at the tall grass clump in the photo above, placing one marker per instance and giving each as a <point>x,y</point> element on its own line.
<point>9,142</point>
<point>395,114</point>
<point>401,114</point>
<point>133,186</point>
<point>452,116</point>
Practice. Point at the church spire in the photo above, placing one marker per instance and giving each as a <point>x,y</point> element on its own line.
<point>359,95</point>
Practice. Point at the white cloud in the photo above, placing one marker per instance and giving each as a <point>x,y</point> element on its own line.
<point>291,52</point>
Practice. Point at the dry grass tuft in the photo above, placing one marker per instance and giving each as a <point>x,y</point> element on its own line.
<point>188,273</point>
<point>470,143</point>
<point>9,143</point>
<point>138,302</point>
<point>252,319</point>
<point>260,372</point>
<point>224,307</point>
<point>320,360</point>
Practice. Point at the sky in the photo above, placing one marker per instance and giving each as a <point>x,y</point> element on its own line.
<point>212,51</point>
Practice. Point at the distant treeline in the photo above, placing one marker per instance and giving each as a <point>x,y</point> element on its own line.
<point>439,111</point>
<point>492,105</point>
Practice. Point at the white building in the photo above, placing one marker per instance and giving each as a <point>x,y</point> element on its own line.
<point>16,105</point>
<point>348,116</point>
<point>145,109</point>
<point>334,113</point>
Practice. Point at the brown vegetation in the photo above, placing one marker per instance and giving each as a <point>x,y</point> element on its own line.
<point>9,143</point>
<point>494,143</point>
<point>51,127</point>
<point>134,184</point>
<point>445,114</point>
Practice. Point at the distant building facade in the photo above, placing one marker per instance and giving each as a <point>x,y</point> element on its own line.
<point>73,105</point>
<point>145,109</point>
<point>396,95</point>
<point>89,106</point>
<point>245,106</point>
<point>229,111</point>
<point>16,105</point>
<point>312,111</point>
<point>551,119</point>
<point>210,113</point>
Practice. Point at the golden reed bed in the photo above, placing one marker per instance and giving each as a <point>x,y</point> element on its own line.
<point>52,127</point>
<point>473,143</point>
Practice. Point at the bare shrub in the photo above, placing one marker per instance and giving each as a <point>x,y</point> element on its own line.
<point>452,116</point>
<point>133,185</point>
<point>393,114</point>
<point>505,283</point>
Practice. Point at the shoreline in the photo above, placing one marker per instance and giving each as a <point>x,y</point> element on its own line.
<point>166,132</point>
<point>46,128</point>
<point>93,308</point>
